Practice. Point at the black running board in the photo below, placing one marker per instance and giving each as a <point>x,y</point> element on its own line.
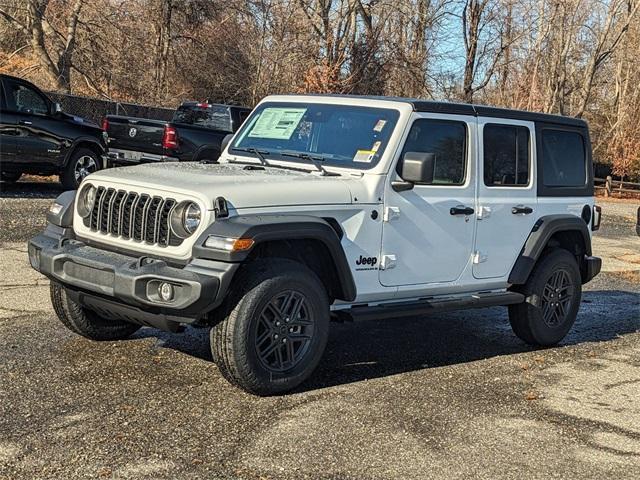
<point>428,305</point>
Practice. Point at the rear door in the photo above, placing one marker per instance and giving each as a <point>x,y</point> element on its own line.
<point>506,194</point>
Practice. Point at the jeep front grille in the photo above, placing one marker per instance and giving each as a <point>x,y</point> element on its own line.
<point>132,215</point>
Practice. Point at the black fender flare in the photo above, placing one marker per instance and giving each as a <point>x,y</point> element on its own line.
<point>76,143</point>
<point>264,228</point>
<point>538,239</point>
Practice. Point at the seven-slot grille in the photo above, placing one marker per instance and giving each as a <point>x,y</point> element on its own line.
<point>138,216</point>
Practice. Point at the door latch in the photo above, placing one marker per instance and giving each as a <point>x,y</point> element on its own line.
<point>391,213</point>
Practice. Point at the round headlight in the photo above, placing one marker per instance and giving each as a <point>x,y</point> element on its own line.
<point>185,218</point>
<point>191,218</point>
<point>86,199</point>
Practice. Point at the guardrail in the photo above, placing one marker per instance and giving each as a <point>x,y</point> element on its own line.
<point>611,186</point>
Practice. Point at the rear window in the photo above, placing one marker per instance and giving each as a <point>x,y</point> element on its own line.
<point>506,155</point>
<point>564,159</point>
<point>216,117</point>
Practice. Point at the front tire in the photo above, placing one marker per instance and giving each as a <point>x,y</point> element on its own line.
<point>553,293</point>
<point>86,322</point>
<point>275,329</point>
<point>82,162</point>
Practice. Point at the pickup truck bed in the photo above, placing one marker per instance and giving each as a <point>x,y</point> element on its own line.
<point>196,132</point>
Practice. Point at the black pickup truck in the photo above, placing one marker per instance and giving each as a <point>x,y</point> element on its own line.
<point>38,138</point>
<point>196,132</point>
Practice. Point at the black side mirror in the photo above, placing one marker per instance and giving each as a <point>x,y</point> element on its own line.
<point>417,167</point>
<point>225,141</point>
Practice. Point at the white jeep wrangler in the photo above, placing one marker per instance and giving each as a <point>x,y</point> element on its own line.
<point>331,206</point>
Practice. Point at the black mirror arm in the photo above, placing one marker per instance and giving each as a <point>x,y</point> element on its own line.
<point>401,185</point>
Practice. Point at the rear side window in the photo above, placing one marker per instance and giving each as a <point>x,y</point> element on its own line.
<point>563,158</point>
<point>506,155</point>
<point>448,141</point>
<point>216,117</point>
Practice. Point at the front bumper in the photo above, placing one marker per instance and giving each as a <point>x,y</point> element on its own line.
<point>131,283</point>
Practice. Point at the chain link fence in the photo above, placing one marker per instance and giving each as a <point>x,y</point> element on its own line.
<point>95,109</point>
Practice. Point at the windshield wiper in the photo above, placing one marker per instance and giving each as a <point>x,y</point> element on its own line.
<point>315,159</point>
<point>258,153</point>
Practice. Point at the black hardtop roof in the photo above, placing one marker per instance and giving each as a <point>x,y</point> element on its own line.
<point>454,108</point>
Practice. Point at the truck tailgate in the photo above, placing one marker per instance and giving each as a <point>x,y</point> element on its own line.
<point>138,134</point>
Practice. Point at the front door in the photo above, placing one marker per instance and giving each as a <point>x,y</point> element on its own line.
<point>36,139</point>
<point>428,230</point>
<point>506,194</point>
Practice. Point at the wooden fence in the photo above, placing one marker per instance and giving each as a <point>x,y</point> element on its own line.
<point>609,186</point>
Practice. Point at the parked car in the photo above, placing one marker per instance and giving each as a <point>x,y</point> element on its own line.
<point>196,132</point>
<point>36,137</point>
<point>344,206</point>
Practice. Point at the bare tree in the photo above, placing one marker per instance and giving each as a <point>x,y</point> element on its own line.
<point>53,48</point>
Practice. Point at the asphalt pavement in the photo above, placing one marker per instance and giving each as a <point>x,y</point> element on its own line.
<point>453,395</point>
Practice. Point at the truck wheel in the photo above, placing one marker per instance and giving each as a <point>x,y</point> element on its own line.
<point>553,292</point>
<point>86,322</point>
<point>81,163</point>
<point>275,329</point>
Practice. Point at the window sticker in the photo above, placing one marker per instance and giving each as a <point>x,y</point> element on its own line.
<point>379,125</point>
<point>364,156</point>
<point>277,123</point>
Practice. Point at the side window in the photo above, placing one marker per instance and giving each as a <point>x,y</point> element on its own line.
<point>447,139</point>
<point>27,100</point>
<point>563,158</point>
<point>506,155</point>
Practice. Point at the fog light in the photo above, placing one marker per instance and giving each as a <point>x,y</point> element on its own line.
<point>165,291</point>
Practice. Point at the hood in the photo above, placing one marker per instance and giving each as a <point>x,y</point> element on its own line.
<point>242,187</point>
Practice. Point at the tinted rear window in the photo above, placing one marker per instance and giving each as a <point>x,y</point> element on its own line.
<point>564,159</point>
<point>506,155</point>
<point>216,117</point>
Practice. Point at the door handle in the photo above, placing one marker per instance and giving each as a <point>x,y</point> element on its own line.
<point>25,122</point>
<point>461,210</point>
<point>521,210</point>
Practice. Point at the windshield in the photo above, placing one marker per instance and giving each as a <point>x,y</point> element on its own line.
<point>338,135</point>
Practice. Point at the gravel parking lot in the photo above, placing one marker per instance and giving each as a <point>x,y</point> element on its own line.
<point>453,395</point>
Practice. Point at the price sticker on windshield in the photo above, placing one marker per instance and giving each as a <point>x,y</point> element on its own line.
<point>277,123</point>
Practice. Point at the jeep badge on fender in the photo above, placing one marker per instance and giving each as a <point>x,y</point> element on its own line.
<point>479,223</point>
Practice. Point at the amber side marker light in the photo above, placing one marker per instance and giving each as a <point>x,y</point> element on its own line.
<point>228,244</point>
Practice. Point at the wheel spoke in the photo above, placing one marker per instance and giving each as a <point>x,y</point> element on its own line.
<point>284,331</point>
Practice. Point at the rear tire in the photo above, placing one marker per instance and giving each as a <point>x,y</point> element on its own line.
<point>81,163</point>
<point>553,293</point>
<point>86,322</point>
<point>275,328</point>
<point>10,177</point>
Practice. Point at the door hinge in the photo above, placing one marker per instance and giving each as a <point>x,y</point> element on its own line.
<point>479,257</point>
<point>387,262</point>
<point>483,212</point>
<point>391,213</point>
